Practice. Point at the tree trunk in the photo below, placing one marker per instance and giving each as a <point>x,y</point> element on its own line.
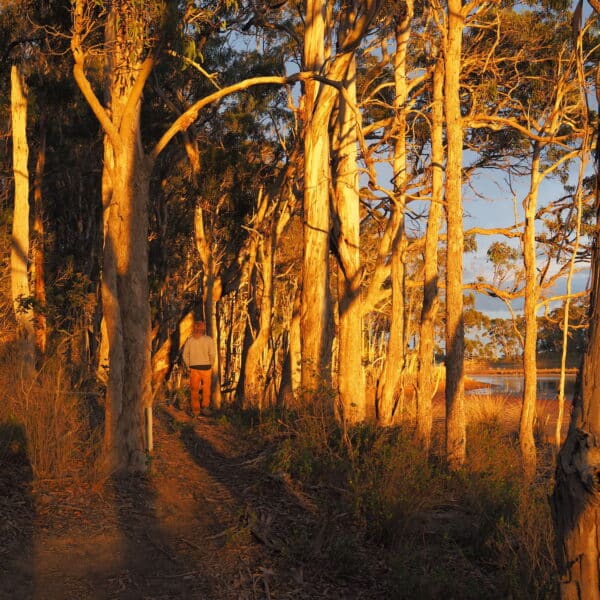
<point>19,252</point>
<point>430,268</point>
<point>351,380</point>
<point>127,312</point>
<point>569,288</point>
<point>125,264</point>
<point>289,390</point>
<point>38,254</point>
<point>576,498</point>
<point>260,355</point>
<point>256,360</point>
<point>318,104</point>
<point>575,501</point>
<point>455,412</point>
<point>390,389</point>
<point>315,318</point>
<point>526,438</point>
<point>212,289</point>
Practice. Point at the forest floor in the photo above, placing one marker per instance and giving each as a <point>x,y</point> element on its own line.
<point>207,522</point>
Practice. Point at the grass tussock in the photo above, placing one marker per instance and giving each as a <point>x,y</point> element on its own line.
<point>482,532</point>
<point>46,420</point>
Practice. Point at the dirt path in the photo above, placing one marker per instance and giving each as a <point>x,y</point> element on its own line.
<point>207,523</point>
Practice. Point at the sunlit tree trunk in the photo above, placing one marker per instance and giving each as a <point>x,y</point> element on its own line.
<point>576,497</point>
<point>455,412</point>
<point>569,288</point>
<point>19,251</point>
<point>315,318</point>
<point>318,101</point>
<point>292,368</point>
<point>526,439</point>
<point>125,262</point>
<point>125,302</point>
<point>108,164</point>
<point>351,380</point>
<point>255,364</point>
<point>212,289</point>
<point>430,268</point>
<point>390,388</point>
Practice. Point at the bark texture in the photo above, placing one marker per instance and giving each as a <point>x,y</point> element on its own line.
<point>125,301</point>
<point>319,100</point>
<point>526,438</point>
<point>315,318</point>
<point>391,392</point>
<point>576,498</point>
<point>430,268</point>
<point>19,250</point>
<point>351,379</point>
<point>456,442</point>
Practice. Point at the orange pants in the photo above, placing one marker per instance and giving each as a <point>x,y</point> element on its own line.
<point>199,379</point>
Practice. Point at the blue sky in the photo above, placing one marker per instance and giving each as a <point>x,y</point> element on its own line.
<point>488,202</point>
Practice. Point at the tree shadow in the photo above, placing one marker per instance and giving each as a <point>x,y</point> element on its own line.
<point>150,559</point>
<point>265,510</point>
<point>300,545</point>
<point>16,513</point>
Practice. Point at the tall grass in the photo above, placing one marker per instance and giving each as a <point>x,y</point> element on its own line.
<point>482,532</point>
<point>58,437</point>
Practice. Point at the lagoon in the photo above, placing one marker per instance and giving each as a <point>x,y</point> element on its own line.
<point>511,384</point>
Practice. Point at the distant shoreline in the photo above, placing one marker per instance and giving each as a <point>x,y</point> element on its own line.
<point>512,371</point>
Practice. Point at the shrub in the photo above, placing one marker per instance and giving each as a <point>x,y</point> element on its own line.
<point>481,532</point>
<point>60,440</point>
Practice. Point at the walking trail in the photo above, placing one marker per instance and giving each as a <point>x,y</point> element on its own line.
<point>207,522</point>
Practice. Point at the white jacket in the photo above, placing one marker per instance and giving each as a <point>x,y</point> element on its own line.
<point>199,351</point>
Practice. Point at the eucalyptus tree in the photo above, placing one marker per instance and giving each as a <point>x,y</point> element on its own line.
<point>575,500</point>
<point>539,101</point>
<point>132,32</point>
<point>20,240</point>
<point>395,357</point>
<point>455,415</point>
<point>430,304</point>
<point>354,21</point>
<point>346,237</point>
<point>23,56</point>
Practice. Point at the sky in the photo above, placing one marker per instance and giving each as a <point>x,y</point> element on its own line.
<point>488,202</point>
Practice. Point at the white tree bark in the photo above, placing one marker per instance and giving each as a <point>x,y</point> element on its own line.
<point>315,317</point>
<point>456,442</point>
<point>351,379</point>
<point>19,252</point>
<point>430,268</point>
<point>390,393</point>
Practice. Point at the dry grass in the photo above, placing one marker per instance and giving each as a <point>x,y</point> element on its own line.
<point>59,440</point>
<point>482,532</point>
<point>505,411</point>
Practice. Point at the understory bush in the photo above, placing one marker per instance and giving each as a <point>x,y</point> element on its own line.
<point>56,432</point>
<point>480,532</point>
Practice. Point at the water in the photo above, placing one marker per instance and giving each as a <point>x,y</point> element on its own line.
<point>512,384</point>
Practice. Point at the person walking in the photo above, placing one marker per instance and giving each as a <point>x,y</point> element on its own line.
<point>199,356</point>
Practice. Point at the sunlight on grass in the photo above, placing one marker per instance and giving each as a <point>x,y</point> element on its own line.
<point>482,532</point>
<point>59,437</point>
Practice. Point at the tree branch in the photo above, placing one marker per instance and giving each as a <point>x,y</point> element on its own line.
<point>83,82</point>
<point>191,114</point>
